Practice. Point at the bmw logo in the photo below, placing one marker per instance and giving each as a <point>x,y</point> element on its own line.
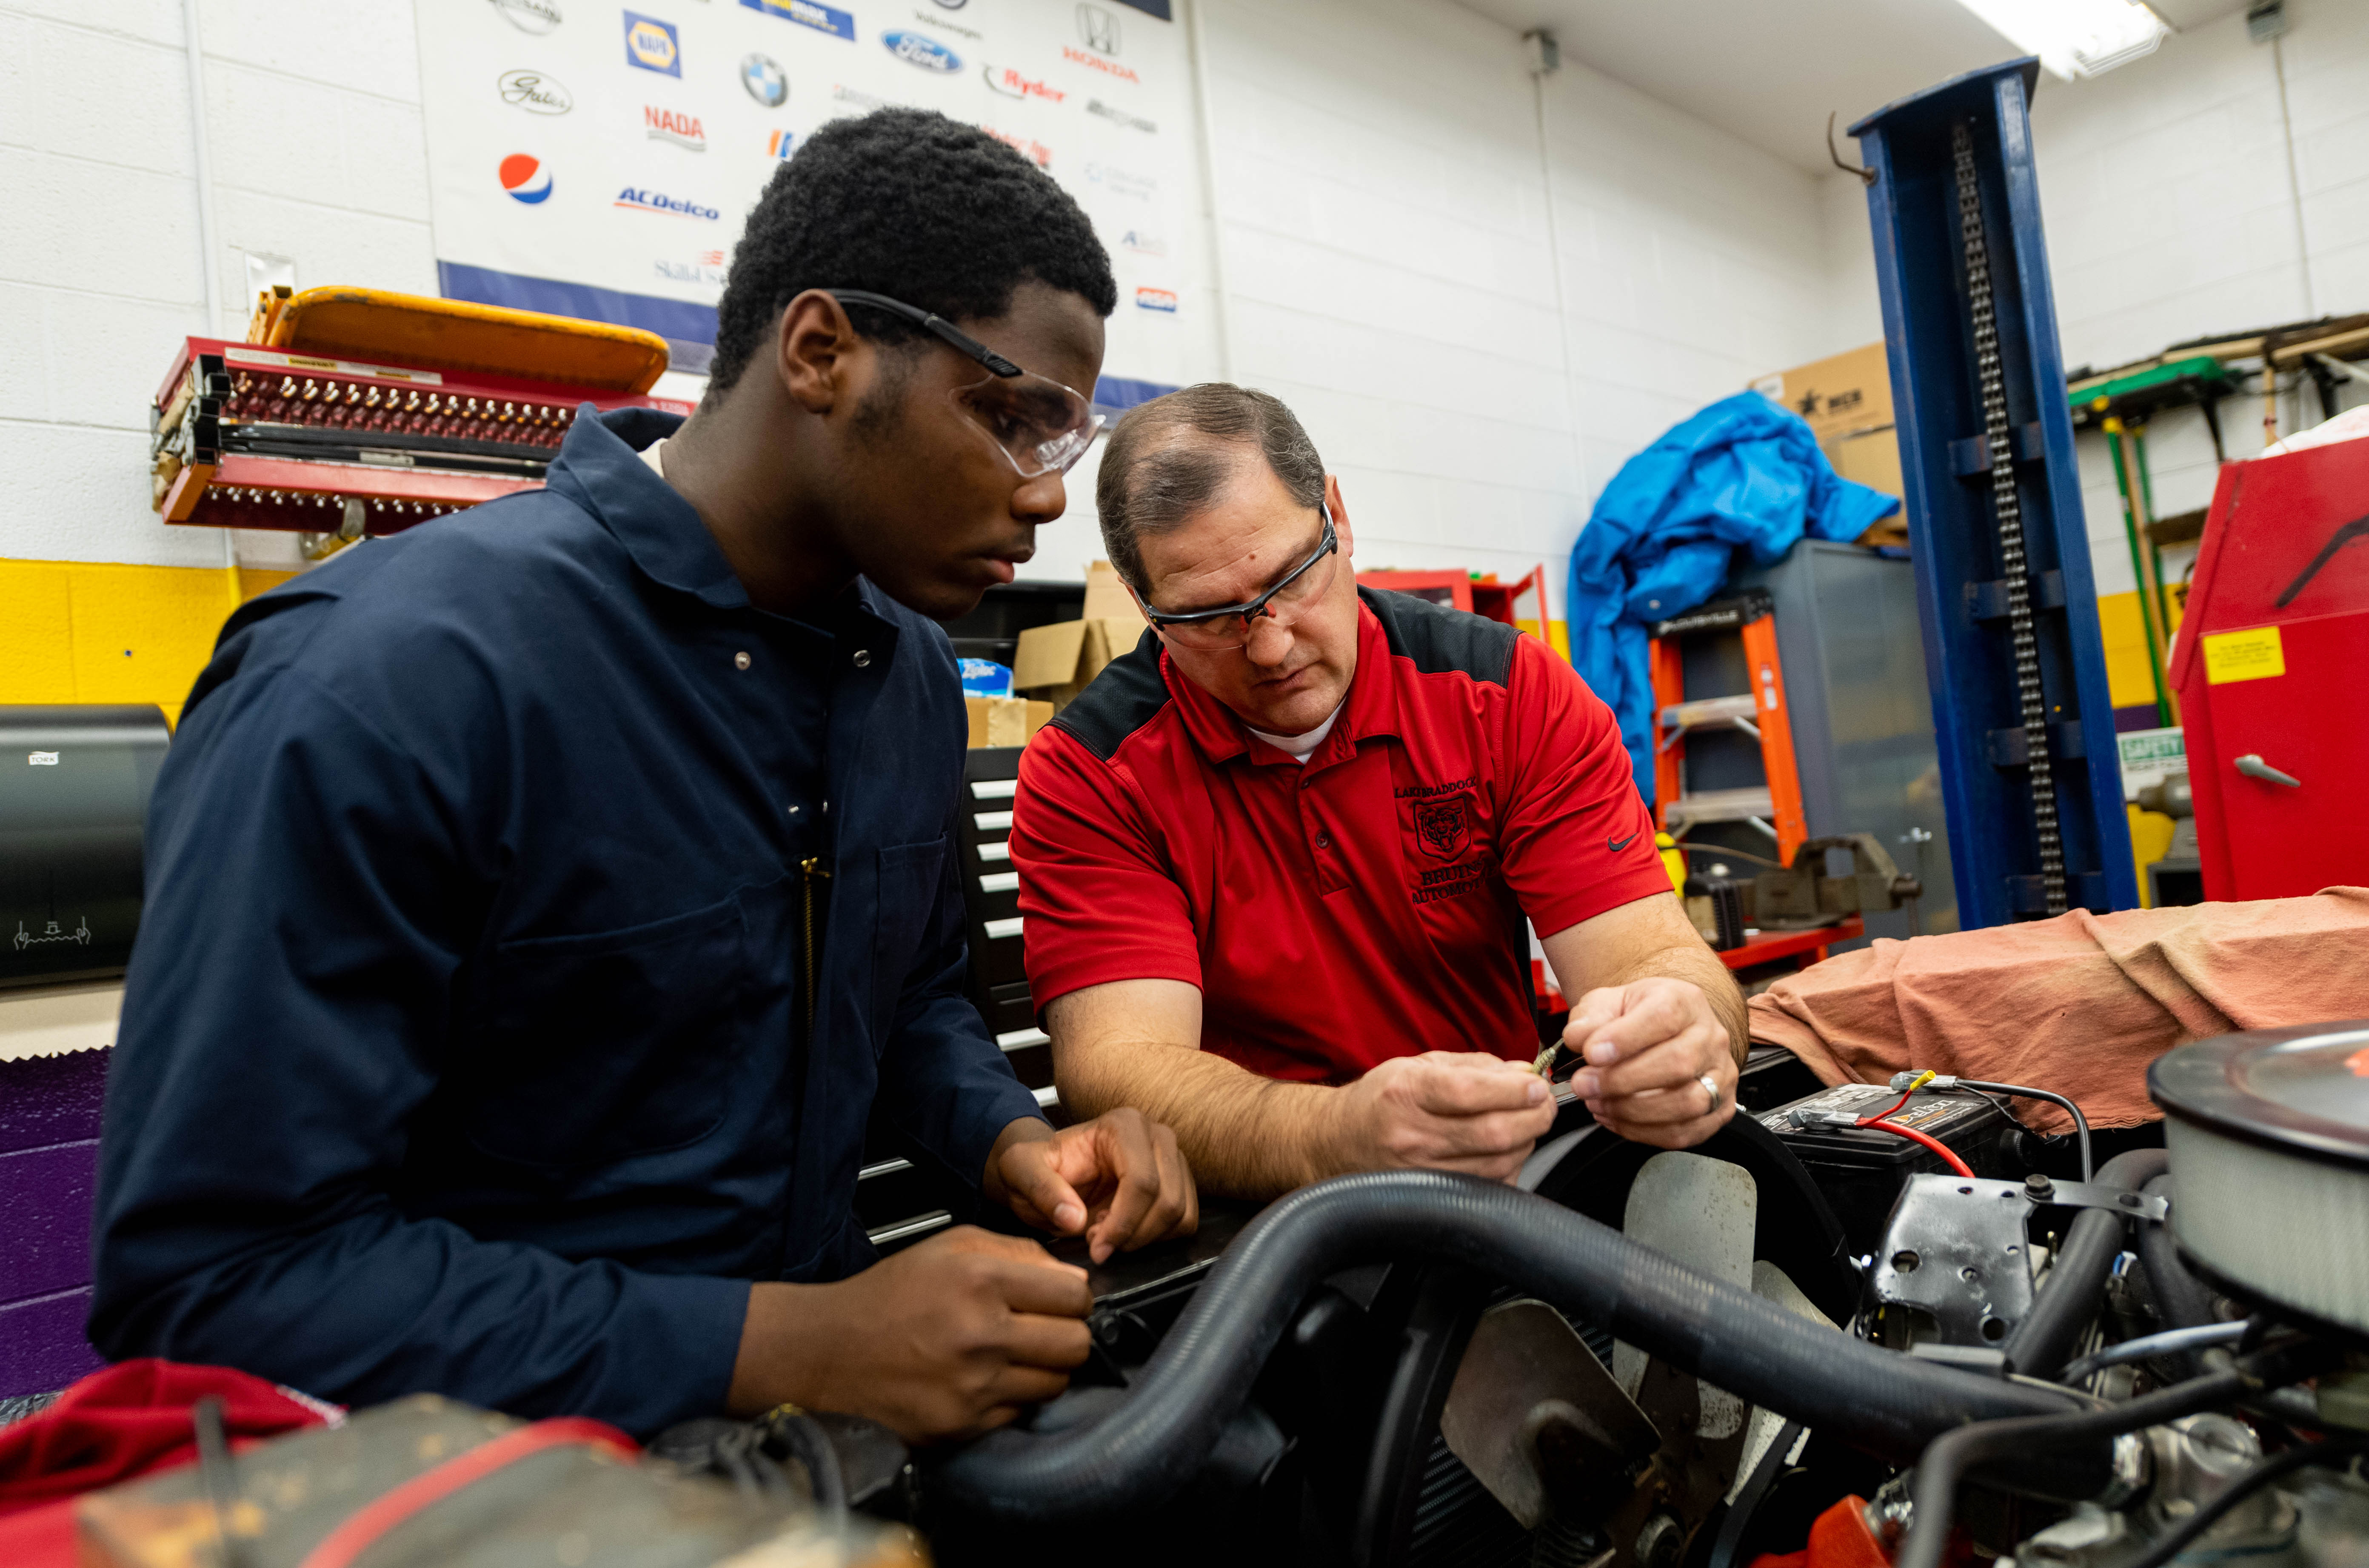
<point>525,179</point>
<point>766,80</point>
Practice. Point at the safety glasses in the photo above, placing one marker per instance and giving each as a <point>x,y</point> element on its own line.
<point>1040,425</point>
<point>1230,627</point>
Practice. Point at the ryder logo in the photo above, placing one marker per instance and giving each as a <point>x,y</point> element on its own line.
<point>1012,85</point>
<point>1443,827</point>
<point>683,130</point>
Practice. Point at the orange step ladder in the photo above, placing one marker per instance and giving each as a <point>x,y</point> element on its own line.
<point>1775,809</point>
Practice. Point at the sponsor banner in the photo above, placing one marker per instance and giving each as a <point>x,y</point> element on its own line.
<point>600,159</point>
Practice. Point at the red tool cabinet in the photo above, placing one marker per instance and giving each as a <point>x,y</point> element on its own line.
<point>2273,671</point>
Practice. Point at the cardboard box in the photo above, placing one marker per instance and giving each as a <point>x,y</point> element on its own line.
<point>1054,662</point>
<point>1108,597</point>
<point>1873,458</point>
<point>1839,397</point>
<point>1006,721</point>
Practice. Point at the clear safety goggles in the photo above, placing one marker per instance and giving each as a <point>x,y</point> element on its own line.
<point>1040,425</point>
<point>1287,599</point>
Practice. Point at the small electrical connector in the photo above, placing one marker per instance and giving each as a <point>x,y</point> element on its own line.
<point>1916,1079</point>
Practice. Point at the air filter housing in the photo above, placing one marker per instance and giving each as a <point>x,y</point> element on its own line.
<point>2268,1135</point>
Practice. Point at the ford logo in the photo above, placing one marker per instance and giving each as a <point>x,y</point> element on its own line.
<point>928,53</point>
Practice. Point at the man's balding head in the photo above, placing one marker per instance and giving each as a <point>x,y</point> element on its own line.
<point>1171,458</point>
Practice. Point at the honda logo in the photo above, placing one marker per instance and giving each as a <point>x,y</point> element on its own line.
<point>1098,28</point>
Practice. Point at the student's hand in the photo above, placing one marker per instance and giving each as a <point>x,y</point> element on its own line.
<point>1647,1045</point>
<point>949,1338</point>
<point>1442,1111</point>
<point>1117,1178</point>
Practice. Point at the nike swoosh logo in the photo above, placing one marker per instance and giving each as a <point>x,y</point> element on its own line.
<point>1617,845</point>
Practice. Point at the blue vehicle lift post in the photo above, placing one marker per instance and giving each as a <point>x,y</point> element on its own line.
<point>2031,774</point>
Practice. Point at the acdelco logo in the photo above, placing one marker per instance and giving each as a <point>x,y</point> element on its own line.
<point>654,201</point>
<point>1012,85</point>
<point>652,45</point>
<point>916,48</point>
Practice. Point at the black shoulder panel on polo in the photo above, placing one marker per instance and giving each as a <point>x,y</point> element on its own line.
<point>1439,639</point>
<point>1125,697</point>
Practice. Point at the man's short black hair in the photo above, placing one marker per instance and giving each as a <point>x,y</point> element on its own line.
<point>909,203</point>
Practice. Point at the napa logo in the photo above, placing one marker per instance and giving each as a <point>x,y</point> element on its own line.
<point>526,179</point>
<point>917,49</point>
<point>657,201</point>
<point>652,45</point>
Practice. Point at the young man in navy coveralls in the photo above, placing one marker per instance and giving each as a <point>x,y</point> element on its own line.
<point>1276,863</point>
<point>540,900</point>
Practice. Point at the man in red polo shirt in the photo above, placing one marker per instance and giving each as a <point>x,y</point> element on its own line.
<point>1275,863</point>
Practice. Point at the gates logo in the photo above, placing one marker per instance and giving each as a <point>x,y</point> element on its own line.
<point>1012,85</point>
<point>683,130</point>
<point>652,45</point>
<point>536,93</point>
<point>765,79</point>
<point>1162,300</point>
<point>654,201</point>
<point>536,17</point>
<point>808,13</point>
<point>526,179</point>
<point>917,49</point>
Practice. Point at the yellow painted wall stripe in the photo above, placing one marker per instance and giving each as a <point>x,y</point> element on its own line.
<point>85,631</point>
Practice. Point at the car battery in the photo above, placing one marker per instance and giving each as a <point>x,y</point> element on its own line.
<point>1862,1170</point>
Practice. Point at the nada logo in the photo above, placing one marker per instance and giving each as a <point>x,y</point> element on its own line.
<point>1012,85</point>
<point>1119,116</point>
<point>808,13</point>
<point>1027,147</point>
<point>778,144</point>
<point>1162,300</point>
<point>1076,56</point>
<point>1143,244</point>
<point>536,17</point>
<point>653,202</point>
<point>766,81</point>
<point>1098,30</point>
<point>651,44</point>
<point>914,48</point>
<point>683,130</point>
<point>526,179</point>
<point>536,93</point>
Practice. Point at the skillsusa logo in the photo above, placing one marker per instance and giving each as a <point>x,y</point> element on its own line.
<point>1012,85</point>
<point>918,49</point>
<point>652,45</point>
<point>808,13</point>
<point>681,130</point>
<point>526,179</point>
<point>536,93</point>
<point>654,201</point>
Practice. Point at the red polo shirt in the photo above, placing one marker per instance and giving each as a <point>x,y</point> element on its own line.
<point>1364,905</point>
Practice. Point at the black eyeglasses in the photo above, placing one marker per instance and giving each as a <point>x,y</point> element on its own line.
<point>1040,425</point>
<point>1230,625</point>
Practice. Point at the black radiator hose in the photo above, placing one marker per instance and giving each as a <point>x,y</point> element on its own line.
<point>1885,1402</point>
<point>2076,1282</point>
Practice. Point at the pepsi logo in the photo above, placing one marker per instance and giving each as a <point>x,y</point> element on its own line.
<point>526,179</point>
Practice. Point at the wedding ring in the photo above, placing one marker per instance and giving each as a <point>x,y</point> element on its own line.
<point>1710,1081</point>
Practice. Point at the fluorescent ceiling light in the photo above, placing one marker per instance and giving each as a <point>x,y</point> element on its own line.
<point>2074,38</point>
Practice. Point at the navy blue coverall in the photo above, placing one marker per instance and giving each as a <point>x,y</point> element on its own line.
<point>465,1047</point>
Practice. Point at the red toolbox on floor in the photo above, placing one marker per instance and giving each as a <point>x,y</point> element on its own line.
<point>2273,671</point>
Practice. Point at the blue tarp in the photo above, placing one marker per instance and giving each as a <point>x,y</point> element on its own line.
<point>1744,475</point>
